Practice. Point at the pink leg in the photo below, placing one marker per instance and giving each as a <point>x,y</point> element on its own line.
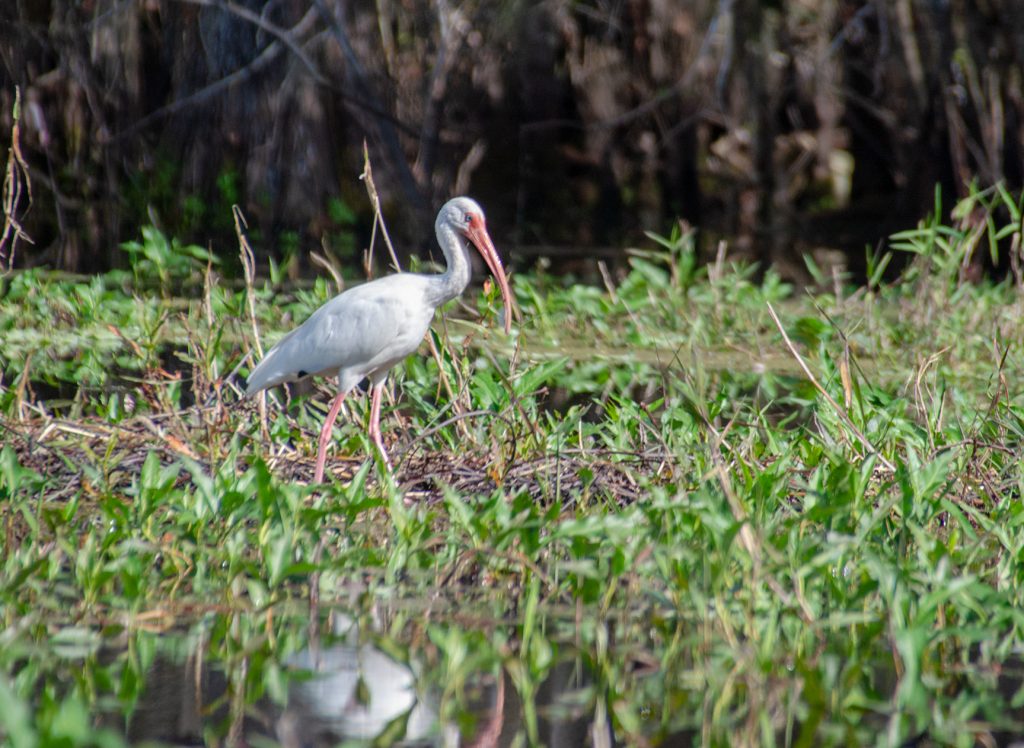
<point>325,437</point>
<point>378,390</point>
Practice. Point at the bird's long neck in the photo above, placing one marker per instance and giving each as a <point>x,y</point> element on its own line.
<point>455,278</point>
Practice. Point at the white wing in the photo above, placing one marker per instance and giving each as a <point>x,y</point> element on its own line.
<point>364,330</point>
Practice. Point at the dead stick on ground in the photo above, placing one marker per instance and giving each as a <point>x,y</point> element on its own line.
<point>831,401</point>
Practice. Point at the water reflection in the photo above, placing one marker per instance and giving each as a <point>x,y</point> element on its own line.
<point>348,688</point>
<point>406,680</point>
<point>358,691</point>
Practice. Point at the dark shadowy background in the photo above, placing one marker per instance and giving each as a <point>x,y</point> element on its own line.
<point>785,127</point>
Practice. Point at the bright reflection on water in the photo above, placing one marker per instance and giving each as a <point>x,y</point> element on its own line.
<point>414,677</point>
<point>357,691</point>
<point>350,685</point>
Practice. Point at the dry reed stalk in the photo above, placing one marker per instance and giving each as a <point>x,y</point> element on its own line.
<point>16,181</point>
<point>378,218</point>
<point>249,269</point>
<point>831,401</point>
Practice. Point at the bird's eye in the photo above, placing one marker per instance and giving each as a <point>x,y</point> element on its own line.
<point>469,219</point>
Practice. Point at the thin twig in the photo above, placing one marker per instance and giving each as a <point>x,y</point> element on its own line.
<point>16,176</point>
<point>261,61</point>
<point>378,218</point>
<point>469,164</point>
<point>326,264</point>
<point>285,36</point>
<point>442,377</point>
<point>831,401</point>
<point>249,267</point>
<point>455,419</point>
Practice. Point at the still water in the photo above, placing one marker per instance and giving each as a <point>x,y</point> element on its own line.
<point>380,678</point>
<point>414,674</point>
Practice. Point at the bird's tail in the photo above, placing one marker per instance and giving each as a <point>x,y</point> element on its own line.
<point>274,369</point>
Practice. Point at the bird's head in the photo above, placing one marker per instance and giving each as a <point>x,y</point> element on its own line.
<point>467,217</point>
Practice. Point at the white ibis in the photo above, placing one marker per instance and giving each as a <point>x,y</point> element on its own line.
<point>366,330</point>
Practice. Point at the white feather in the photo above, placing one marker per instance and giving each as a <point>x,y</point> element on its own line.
<point>360,333</point>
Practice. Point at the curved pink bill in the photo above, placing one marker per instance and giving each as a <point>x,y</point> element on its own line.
<point>477,234</point>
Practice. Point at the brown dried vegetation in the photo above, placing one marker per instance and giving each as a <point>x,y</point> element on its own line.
<point>787,126</point>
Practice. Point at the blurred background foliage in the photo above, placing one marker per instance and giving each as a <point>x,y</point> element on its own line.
<point>789,127</point>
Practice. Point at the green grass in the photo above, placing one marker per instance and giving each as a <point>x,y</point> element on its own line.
<point>642,483</point>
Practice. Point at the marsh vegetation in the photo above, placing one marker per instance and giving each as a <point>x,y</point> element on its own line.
<point>784,517</point>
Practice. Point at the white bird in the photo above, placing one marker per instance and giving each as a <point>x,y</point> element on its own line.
<point>364,331</point>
